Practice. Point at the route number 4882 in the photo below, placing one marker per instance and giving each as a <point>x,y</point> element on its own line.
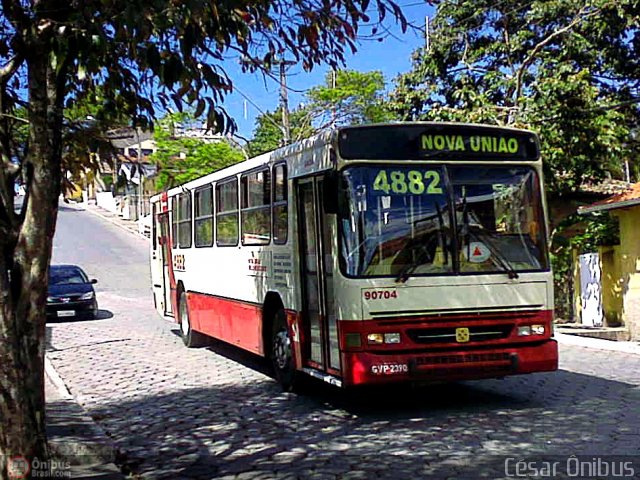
<point>413,182</point>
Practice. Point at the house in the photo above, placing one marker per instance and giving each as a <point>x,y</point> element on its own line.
<point>130,172</point>
<point>620,264</point>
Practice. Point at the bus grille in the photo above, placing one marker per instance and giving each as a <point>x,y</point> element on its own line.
<point>462,359</point>
<point>448,335</point>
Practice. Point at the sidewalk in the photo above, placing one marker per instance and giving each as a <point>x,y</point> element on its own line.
<point>598,343</point>
<point>79,449</point>
<point>128,225</point>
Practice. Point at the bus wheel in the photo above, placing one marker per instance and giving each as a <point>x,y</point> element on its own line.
<point>281,354</point>
<point>189,337</point>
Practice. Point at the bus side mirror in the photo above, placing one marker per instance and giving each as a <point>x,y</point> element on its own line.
<point>330,193</point>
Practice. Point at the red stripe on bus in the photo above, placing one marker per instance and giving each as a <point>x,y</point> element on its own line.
<point>231,321</point>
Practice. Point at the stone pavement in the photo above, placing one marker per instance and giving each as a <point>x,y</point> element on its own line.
<point>214,412</point>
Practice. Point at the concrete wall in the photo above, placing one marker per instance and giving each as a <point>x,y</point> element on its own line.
<point>106,201</point>
<point>629,268</point>
<point>612,285</point>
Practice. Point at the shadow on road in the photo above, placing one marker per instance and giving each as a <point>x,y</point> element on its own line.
<point>232,428</point>
<point>62,208</point>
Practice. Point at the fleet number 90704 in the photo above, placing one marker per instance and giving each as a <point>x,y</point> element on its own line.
<point>380,294</point>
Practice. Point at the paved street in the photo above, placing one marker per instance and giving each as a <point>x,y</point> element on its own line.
<point>214,413</point>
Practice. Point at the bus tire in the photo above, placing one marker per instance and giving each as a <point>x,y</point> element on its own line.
<point>282,354</point>
<point>190,338</point>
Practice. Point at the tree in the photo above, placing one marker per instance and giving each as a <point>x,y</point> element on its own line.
<point>181,158</point>
<point>346,97</point>
<point>568,70</point>
<point>142,55</point>
<point>268,132</point>
<point>349,97</point>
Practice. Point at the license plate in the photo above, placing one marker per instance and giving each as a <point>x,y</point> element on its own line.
<point>66,313</point>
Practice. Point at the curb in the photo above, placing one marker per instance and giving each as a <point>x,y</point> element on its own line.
<point>96,211</point>
<point>598,343</point>
<point>63,391</point>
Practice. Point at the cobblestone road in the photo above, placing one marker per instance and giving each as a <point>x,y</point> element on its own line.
<point>212,413</point>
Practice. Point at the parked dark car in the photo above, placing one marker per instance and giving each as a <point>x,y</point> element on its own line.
<point>71,293</point>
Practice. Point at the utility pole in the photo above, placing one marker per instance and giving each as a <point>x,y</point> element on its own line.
<point>284,102</point>
<point>140,177</point>
<point>427,37</point>
<point>333,109</point>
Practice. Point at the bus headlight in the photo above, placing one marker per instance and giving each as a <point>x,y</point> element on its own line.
<point>391,338</point>
<point>537,329</point>
<point>352,340</point>
<point>524,331</point>
<point>528,330</point>
<point>380,338</point>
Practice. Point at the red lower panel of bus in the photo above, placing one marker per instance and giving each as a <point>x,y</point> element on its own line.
<point>371,368</point>
<point>232,321</point>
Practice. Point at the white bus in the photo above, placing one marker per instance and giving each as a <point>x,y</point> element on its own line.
<point>367,255</point>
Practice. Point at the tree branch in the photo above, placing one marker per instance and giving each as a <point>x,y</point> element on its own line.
<point>10,68</point>
<point>543,43</point>
<point>13,117</point>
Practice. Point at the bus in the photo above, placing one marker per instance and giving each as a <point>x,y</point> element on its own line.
<point>405,252</point>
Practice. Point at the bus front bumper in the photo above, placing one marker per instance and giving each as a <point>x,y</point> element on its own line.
<point>368,368</point>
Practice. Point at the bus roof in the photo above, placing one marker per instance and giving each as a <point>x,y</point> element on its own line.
<point>406,140</point>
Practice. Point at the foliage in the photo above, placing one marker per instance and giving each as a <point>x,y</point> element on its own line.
<point>268,132</point>
<point>181,159</point>
<point>566,69</point>
<point>139,56</point>
<point>349,97</point>
<point>346,97</point>
<point>580,234</point>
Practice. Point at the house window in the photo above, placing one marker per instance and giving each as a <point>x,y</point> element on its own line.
<point>280,205</point>
<point>256,211</point>
<point>227,213</point>
<point>203,200</point>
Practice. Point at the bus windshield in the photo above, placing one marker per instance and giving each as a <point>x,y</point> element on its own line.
<point>441,220</point>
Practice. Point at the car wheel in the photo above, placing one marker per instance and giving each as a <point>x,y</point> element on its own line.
<point>190,338</point>
<point>94,311</point>
<point>282,354</point>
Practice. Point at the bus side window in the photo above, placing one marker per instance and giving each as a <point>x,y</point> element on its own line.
<point>256,212</point>
<point>227,213</point>
<point>203,204</point>
<point>280,207</point>
<point>184,220</point>
<point>174,222</point>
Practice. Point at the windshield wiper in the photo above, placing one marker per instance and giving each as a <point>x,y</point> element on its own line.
<point>423,256</point>
<point>467,232</point>
<point>495,251</point>
<point>445,250</point>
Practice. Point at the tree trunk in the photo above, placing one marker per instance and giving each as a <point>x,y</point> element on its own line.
<point>24,265</point>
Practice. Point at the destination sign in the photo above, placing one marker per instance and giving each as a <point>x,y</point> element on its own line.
<point>428,141</point>
<point>465,143</point>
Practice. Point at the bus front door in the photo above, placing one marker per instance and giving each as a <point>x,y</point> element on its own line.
<point>165,253</point>
<point>316,237</point>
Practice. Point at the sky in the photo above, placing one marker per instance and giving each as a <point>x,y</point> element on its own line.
<point>255,93</point>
